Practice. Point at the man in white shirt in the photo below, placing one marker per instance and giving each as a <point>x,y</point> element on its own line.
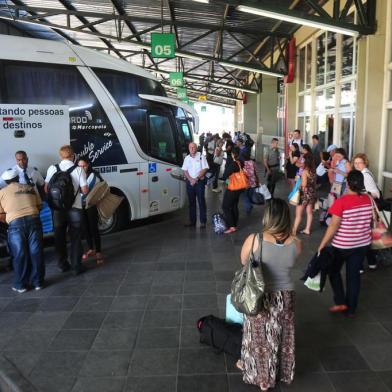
<point>72,218</point>
<point>296,138</point>
<point>27,175</point>
<point>195,167</point>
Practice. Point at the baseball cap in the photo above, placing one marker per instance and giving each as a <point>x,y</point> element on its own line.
<point>9,174</point>
<point>332,147</point>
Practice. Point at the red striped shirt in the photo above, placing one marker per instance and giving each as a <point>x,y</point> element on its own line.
<point>356,212</point>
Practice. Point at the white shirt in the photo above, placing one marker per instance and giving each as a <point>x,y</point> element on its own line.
<point>194,165</point>
<point>34,175</point>
<point>298,141</point>
<point>370,184</point>
<point>78,178</point>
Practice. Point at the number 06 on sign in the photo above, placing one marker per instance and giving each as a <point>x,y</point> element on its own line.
<point>162,45</point>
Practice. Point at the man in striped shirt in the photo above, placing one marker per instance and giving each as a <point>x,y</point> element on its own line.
<point>350,232</point>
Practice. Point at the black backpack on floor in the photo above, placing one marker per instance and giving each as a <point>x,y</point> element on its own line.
<point>221,335</point>
<point>61,192</point>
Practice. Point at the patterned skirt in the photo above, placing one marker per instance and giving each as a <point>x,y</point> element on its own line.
<point>268,345</point>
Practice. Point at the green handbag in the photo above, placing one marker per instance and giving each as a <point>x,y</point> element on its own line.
<point>247,288</point>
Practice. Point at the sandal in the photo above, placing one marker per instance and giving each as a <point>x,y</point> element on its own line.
<point>239,366</point>
<point>304,232</point>
<point>88,254</point>
<point>99,258</point>
<point>230,230</point>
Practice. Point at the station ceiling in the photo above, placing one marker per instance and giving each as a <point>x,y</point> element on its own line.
<point>222,46</point>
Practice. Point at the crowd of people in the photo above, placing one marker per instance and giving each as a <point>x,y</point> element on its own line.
<point>23,190</point>
<point>347,191</point>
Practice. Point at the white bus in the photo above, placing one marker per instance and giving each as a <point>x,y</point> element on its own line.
<point>115,113</point>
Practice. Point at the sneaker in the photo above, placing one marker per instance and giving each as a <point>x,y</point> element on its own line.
<point>373,267</point>
<point>361,271</point>
<point>38,288</point>
<point>216,190</point>
<point>64,267</point>
<point>20,291</point>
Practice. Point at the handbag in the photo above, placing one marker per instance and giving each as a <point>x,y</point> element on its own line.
<point>218,160</point>
<point>263,189</point>
<point>337,188</point>
<point>381,237</point>
<point>247,288</point>
<point>238,180</point>
<point>257,198</point>
<point>294,196</point>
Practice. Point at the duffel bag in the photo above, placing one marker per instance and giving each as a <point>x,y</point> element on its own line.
<point>222,336</point>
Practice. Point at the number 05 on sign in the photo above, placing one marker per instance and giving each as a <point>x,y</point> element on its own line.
<point>162,45</point>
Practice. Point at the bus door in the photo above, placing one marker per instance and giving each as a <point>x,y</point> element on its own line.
<point>163,189</point>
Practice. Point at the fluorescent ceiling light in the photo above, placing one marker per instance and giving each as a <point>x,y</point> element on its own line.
<point>251,69</point>
<point>188,55</point>
<point>202,1</point>
<point>296,19</point>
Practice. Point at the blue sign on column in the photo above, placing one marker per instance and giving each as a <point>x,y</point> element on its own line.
<point>152,167</point>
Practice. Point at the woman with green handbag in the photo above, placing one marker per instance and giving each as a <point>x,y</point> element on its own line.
<point>268,346</point>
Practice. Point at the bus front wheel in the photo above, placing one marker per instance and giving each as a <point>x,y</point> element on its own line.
<point>119,220</point>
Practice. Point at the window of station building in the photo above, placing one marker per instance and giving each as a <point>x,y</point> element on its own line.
<point>320,59</point>
<point>331,57</point>
<point>302,58</point>
<point>388,155</point>
<point>91,132</point>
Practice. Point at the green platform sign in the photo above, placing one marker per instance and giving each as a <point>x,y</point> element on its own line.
<point>163,45</point>
<point>185,100</point>
<point>176,79</point>
<point>181,93</point>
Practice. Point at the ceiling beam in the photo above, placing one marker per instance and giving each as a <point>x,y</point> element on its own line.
<point>179,53</point>
<point>131,18</point>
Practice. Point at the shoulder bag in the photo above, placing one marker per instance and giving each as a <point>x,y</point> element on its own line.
<point>238,180</point>
<point>247,288</point>
<point>381,237</point>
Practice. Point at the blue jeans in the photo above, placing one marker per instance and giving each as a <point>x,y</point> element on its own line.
<point>197,192</point>
<point>26,244</point>
<point>248,199</point>
<point>354,260</point>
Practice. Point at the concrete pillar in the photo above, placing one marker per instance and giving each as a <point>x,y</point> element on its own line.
<point>370,85</point>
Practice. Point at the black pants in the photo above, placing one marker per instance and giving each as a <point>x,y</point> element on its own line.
<point>354,260</point>
<point>215,170</point>
<point>71,220</point>
<point>90,221</point>
<point>230,207</point>
<point>272,179</point>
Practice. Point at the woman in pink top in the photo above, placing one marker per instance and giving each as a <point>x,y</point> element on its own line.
<point>350,232</point>
<point>250,170</point>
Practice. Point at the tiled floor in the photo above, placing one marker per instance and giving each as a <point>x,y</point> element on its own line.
<point>129,325</point>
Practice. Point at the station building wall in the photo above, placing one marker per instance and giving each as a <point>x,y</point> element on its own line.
<point>342,92</point>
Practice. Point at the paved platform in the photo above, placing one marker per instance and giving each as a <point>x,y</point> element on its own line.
<point>129,325</point>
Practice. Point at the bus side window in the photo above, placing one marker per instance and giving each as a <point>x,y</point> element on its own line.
<point>162,142</point>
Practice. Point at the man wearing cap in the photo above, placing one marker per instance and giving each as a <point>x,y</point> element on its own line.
<point>19,207</point>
